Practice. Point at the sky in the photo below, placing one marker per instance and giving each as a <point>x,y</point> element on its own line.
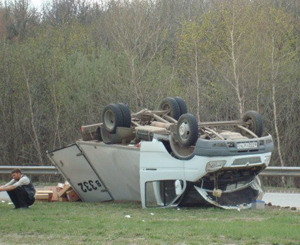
<point>35,3</point>
<point>39,3</point>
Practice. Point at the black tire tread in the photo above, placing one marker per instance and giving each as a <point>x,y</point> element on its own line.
<point>118,117</point>
<point>175,109</point>
<point>193,124</point>
<point>126,115</point>
<point>256,118</point>
<point>182,105</point>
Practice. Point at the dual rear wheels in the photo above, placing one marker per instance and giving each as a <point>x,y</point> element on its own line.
<point>175,106</point>
<point>116,115</point>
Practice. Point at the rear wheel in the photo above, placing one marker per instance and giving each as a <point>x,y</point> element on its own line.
<point>187,130</point>
<point>254,122</point>
<point>172,106</point>
<point>126,115</point>
<point>182,105</point>
<point>112,118</point>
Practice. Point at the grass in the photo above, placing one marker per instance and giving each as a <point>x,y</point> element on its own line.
<point>105,223</point>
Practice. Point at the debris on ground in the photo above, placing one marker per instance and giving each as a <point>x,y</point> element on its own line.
<point>62,192</point>
<point>271,206</point>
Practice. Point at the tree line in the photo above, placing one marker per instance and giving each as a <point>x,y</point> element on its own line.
<point>62,64</point>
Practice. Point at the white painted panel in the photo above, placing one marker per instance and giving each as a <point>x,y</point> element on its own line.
<point>76,169</point>
<point>117,166</point>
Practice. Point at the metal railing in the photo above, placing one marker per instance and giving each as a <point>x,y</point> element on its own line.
<point>269,171</point>
<point>281,171</point>
<point>30,169</point>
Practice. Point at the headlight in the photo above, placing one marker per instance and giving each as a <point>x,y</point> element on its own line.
<point>268,141</point>
<point>267,159</point>
<point>212,166</point>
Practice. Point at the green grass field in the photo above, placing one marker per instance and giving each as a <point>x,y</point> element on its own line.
<point>105,223</point>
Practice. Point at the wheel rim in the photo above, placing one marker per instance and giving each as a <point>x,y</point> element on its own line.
<point>184,130</point>
<point>109,119</point>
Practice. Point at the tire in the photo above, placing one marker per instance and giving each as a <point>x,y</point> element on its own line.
<point>170,104</point>
<point>254,121</point>
<point>182,105</point>
<point>126,115</point>
<point>187,130</point>
<point>112,118</point>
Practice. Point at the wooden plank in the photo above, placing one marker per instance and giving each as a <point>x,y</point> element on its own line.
<point>62,192</point>
<point>54,197</point>
<point>42,197</point>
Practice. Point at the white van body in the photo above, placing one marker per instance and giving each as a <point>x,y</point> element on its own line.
<point>220,173</point>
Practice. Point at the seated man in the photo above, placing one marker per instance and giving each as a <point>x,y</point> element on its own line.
<point>20,189</point>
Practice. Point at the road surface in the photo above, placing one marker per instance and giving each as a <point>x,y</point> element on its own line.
<point>283,199</point>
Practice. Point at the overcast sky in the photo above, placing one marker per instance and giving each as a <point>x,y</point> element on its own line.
<point>37,3</point>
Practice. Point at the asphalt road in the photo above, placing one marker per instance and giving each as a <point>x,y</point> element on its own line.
<point>277,199</point>
<point>283,199</point>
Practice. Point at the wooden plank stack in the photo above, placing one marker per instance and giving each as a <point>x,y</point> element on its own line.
<point>59,193</point>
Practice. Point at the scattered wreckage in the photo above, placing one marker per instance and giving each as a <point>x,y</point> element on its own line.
<point>165,158</point>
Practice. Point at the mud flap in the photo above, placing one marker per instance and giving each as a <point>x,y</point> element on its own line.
<point>83,178</point>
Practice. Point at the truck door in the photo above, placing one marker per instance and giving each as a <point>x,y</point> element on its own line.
<point>159,175</point>
<point>75,167</point>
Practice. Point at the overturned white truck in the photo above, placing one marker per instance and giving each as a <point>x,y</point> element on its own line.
<point>165,158</point>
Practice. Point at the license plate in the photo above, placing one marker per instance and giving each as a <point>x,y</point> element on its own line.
<point>246,145</point>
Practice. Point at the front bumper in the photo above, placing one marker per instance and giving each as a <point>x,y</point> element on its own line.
<point>230,147</point>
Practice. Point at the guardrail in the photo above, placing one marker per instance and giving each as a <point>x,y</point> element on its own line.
<point>269,171</point>
<point>281,171</point>
<point>30,169</point>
